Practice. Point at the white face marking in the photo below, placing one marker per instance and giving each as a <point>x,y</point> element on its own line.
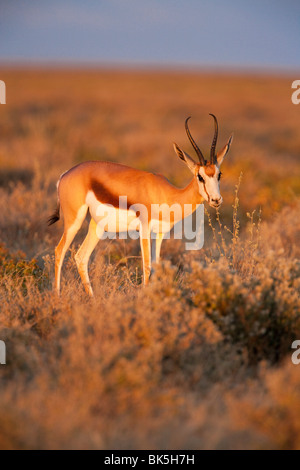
<point>210,188</point>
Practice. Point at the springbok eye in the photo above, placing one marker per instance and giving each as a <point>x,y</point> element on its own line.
<point>200,178</point>
<point>219,176</point>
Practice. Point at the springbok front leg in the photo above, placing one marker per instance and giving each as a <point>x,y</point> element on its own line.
<point>83,255</point>
<point>146,252</point>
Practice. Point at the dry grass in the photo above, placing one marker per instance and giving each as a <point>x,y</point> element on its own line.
<point>201,357</point>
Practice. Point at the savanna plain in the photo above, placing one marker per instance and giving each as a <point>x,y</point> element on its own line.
<point>201,357</point>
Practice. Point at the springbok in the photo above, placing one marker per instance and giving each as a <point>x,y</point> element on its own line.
<point>98,185</point>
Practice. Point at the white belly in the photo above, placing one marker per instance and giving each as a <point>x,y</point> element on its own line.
<point>111,219</point>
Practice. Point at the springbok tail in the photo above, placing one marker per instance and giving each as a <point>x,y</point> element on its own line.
<point>55,216</point>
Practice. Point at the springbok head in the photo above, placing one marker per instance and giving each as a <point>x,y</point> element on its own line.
<point>207,172</point>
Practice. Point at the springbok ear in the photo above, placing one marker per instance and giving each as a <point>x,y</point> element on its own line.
<point>221,154</point>
<point>186,158</point>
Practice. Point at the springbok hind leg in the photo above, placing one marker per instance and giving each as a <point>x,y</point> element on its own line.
<point>70,230</point>
<point>83,255</point>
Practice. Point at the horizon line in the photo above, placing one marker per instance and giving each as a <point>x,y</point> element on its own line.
<point>158,66</point>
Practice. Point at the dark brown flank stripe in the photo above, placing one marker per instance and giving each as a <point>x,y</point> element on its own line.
<point>105,196</point>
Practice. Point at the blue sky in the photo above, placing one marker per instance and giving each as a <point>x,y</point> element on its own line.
<point>211,33</point>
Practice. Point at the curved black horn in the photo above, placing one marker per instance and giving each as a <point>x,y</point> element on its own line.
<point>214,142</point>
<point>197,150</point>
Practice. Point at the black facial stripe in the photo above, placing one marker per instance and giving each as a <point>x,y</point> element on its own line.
<point>206,192</point>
